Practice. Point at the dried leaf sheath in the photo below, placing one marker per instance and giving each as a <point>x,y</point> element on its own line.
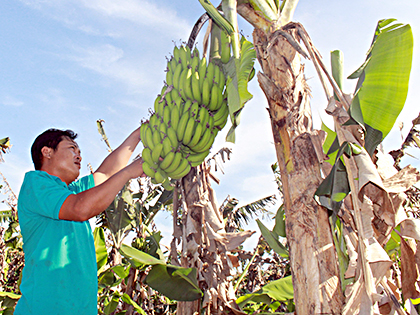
<point>206,244</point>
<point>316,277</point>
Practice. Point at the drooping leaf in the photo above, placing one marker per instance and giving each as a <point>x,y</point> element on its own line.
<point>280,226</point>
<point>176,283</point>
<point>335,187</point>
<point>330,145</point>
<point>241,216</point>
<point>100,248</point>
<point>272,239</point>
<point>238,73</point>
<point>120,215</point>
<point>153,245</point>
<point>121,271</point>
<point>5,144</point>
<point>138,258</point>
<point>217,17</point>
<point>278,290</point>
<point>127,299</point>
<point>10,295</point>
<point>107,279</point>
<point>111,304</point>
<point>382,84</point>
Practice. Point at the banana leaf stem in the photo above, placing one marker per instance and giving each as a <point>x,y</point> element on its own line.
<point>265,8</point>
<point>287,11</point>
<point>243,274</point>
<point>229,9</point>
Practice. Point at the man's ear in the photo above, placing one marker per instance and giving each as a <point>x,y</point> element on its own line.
<point>46,152</point>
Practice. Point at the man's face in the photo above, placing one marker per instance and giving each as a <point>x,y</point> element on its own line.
<point>65,161</point>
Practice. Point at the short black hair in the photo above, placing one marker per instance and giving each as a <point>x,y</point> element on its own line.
<point>49,138</point>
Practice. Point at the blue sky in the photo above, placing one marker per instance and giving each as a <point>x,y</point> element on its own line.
<point>67,63</point>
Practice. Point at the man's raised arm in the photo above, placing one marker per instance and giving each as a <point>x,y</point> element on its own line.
<point>91,202</point>
<point>117,159</point>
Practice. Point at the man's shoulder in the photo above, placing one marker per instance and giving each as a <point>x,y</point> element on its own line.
<point>40,176</point>
<point>82,184</point>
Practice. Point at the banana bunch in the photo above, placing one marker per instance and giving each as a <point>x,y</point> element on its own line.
<point>188,113</point>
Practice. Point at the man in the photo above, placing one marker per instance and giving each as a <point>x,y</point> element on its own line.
<point>60,275</point>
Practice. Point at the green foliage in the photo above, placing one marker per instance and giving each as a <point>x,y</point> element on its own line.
<point>383,79</point>
<point>280,290</point>
<point>100,248</point>
<point>272,238</point>
<point>239,73</point>
<point>176,283</point>
<point>237,217</point>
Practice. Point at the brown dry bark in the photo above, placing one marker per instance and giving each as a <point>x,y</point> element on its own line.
<point>206,245</point>
<point>313,257</point>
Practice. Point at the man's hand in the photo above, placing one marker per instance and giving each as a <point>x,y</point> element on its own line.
<point>136,168</point>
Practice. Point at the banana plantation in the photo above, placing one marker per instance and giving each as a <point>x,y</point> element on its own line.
<point>346,234</point>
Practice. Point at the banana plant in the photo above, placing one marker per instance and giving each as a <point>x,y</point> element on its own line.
<point>383,78</point>
<point>379,97</point>
<point>236,55</point>
<point>271,294</point>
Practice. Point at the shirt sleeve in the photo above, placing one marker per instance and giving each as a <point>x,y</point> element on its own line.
<point>44,195</point>
<point>84,183</point>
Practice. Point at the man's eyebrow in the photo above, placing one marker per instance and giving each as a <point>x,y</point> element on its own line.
<point>75,145</point>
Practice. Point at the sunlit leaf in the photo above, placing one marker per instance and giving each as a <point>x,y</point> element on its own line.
<point>127,299</point>
<point>280,226</point>
<point>100,248</point>
<point>238,73</point>
<point>383,79</point>
<point>279,290</point>
<point>330,145</point>
<point>176,283</point>
<point>272,239</point>
<point>138,258</point>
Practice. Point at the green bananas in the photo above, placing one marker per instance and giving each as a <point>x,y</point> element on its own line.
<point>188,114</point>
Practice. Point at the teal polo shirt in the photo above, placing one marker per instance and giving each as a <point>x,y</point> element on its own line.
<point>60,273</point>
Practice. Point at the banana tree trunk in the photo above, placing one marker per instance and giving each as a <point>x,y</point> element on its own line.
<point>316,281</point>
<point>206,245</point>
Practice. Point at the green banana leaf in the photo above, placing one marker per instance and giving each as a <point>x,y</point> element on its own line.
<point>100,248</point>
<point>176,283</point>
<point>330,145</point>
<point>280,226</point>
<point>279,290</point>
<point>382,84</point>
<point>127,299</point>
<point>335,187</point>
<point>120,216</point>
<point>272,238</point>
<point>238,74</point>
<point>238,69</point>
<point>138,258</point>
<point>10,295</point>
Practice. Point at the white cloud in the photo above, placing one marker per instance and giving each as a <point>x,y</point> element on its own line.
<point>80,13</point>
<point>53,97</point>
<point>109,61</point>
<point>139,12</point>
<point>9,100</point>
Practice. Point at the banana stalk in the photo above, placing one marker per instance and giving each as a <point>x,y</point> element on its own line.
<point>215,45</point>
<point>229,9</point>
<point>217,17</point>
<point>257,20</point>
<point>287,10</point>
<point>265,8</point>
